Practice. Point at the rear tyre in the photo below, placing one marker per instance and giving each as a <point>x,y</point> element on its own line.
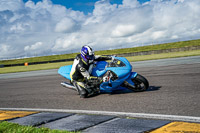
<point>141,84</point>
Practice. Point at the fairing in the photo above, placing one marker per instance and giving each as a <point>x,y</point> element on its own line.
<point>65,71</point>
<point>124,73</point>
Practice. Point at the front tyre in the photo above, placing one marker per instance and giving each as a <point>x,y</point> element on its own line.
<point>141,83</point>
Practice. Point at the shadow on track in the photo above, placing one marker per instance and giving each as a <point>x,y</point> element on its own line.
<point>151,88</point>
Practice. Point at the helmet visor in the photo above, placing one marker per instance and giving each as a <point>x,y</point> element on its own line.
<point>89,57</point>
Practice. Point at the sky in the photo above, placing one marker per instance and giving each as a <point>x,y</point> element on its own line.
<point>48,27</point>
<point>86,6</point>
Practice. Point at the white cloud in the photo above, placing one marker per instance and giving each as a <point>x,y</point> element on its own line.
<point>103,7</point>
<point>35,46</point>
<point>129,4</point>
<point>29,29</point>
<point>158,34</point>
<point>65,25</point>
<point>4,48</point>
<point>12,5</point>
<point>123,30</point>
<point>180,0</point>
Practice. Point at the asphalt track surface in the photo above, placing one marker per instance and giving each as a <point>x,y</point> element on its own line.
<point>174,90</point>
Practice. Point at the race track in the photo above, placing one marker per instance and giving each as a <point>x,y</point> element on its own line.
<point>174,90</point>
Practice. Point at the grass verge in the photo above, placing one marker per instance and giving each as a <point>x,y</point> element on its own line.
<point>151,47</point>
<point>164,55</point>
<point>131,59</point>
<point>106,52</point>
<point>33,67</point>
<point>6,127</point>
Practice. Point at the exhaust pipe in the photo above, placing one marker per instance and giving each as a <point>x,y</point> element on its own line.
<point>68,85</point>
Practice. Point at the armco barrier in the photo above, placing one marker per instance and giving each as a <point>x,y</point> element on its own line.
<point>121,55</point>
<point>1,65</point>
<point>160,51</point>
<point>34,63</point>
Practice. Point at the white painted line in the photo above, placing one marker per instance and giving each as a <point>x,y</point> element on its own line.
<point>28,74</point>
<point>124,114</point>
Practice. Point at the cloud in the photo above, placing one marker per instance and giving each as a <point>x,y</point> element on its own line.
<point>12,5</point>
<point>4,48</point>
<point>43,28</point>
<point>129,4</point>
<point>35,46</point>
<point>123,30</point>
<point>65,25</point>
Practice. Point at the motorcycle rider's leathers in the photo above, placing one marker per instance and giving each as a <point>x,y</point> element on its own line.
<point>81,74</point>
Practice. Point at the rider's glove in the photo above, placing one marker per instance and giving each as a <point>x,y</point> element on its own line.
<point>100,79</point>
<point>93,79</point>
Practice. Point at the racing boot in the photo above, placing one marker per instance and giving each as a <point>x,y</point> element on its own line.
<point>92,90</point>
<point>82,91</point>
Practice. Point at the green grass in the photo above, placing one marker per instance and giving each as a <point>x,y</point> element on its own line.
<point>152,47</point>
<point>106,52</point>
<point>164,55</point>
<point>132,59</point>
<point>6,127</point>
<point>38,59</point>
<point>33,67</point>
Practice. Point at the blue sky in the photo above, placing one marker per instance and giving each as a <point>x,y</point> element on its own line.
<point>63,26</point>
<point>85,6</point>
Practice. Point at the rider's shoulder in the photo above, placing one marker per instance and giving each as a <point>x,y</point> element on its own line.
<point>78,56</point>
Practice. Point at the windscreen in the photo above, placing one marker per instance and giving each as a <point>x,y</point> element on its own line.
<point>116,63</point>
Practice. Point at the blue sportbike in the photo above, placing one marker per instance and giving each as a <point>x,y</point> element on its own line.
<point>116,75</point>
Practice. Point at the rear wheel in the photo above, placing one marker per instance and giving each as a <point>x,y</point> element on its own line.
<point>141,84</point>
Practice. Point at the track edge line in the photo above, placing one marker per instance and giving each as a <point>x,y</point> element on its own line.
<point>123,114</point>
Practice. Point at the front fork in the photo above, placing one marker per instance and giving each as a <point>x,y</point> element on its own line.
<point>129,82</point>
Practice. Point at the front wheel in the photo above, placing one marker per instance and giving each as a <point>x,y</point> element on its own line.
<point>141,84</point>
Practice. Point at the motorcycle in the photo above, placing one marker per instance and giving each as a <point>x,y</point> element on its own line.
<point>116,75</point>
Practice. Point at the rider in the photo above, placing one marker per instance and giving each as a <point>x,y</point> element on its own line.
<point>81,71</point>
